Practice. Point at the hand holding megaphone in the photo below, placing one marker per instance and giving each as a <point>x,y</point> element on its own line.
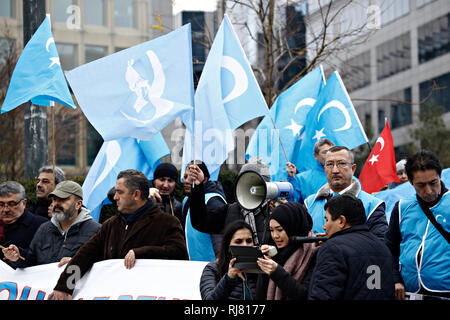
<point>252,191</point>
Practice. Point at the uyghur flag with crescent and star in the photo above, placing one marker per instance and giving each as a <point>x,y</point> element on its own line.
<point>289,115</point>
<point>334,117</point>
<point>38,75</point>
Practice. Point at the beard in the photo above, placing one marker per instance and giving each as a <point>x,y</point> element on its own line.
<point>64,215</point>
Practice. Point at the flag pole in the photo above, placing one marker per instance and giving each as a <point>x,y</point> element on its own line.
<point>52,115</point>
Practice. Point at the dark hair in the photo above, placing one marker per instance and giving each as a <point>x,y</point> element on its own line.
<point>135,180</point>
<point>322,142</point>
<point>339,148</point>
<point>348,206</point>
<point>421,161</point>
<point>224,256</point>
<point>58,173</point>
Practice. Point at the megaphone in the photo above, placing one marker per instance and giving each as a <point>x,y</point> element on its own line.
<point>251,190</point>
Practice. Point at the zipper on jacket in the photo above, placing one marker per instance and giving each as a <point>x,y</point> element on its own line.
<point>126,227</point>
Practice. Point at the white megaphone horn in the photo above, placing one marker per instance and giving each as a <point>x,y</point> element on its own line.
<point>251,190</point>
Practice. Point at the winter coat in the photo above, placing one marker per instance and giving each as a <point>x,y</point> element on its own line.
<point>214,287</point>
<point>374,208</point>
<point>353,265</point>
<point>21,232</point>
<point>214,221</point>
<point>51,244</point>
<point>153,235</point>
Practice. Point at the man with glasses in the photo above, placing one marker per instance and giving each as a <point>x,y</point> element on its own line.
<point>20,224</point>
<point>339,169</point>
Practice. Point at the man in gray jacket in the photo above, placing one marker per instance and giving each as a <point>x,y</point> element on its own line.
<point>58,239</point>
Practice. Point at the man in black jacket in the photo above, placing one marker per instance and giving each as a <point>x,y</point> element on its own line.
<point>353,264</point>
<point>214,221</point>
<point>20,224</point>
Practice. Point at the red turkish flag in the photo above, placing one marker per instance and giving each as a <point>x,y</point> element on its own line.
<point>380,169</point>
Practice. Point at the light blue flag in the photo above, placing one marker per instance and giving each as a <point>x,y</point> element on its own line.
<point>136,92</point>
<point>115,156</point>
<point>289,115</point>
<point>227,96</point>
<point>38,75</point>
<point>334,117</point>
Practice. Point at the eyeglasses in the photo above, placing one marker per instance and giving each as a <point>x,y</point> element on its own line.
<point>10,204</point>
<point>339,164</point>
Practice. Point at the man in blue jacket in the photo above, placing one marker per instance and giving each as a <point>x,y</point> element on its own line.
<point>339,168</point>
<point>309,181</point>
<point>353,264</point>
<point>418,234</point>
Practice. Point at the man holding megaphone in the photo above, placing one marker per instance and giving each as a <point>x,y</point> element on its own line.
<point>253,191</point>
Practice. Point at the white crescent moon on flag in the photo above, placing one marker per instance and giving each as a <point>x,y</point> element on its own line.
<point>305,102</point>
<point>112,154</point>
<point>240,78</point>
<point>49,41</point>
<point>337,104</point>
<point>381,141</point>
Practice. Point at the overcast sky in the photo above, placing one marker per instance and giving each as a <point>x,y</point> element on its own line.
<point>203,5</point>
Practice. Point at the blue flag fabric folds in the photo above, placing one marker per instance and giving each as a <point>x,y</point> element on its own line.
<point>289,115</point>
<point>136,92</point>
<point>115,156</point>
<point>227,96</point>
<point>38,75</point>
<point>334,117</point>
<point>404,191</point>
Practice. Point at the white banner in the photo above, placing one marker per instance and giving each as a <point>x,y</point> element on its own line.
<point>108,280</point>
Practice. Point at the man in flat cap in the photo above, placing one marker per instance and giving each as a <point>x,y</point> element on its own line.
<point>59,239</point>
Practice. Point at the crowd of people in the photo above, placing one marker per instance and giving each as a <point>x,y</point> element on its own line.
<point>360,255</point>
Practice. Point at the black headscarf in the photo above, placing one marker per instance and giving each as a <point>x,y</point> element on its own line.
<point>296,221</point>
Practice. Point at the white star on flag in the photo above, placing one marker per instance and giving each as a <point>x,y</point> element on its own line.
<point>374,159</point>
<point>295,128</point>
<point>319,134</point>
<point>54,60</point>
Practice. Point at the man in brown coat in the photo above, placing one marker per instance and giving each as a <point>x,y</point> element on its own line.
<point>140,231</point>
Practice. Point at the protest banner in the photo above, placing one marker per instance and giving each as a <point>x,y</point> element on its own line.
<point>108,280</point>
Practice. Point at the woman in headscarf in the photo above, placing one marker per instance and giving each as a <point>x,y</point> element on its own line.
<point>287,274</point>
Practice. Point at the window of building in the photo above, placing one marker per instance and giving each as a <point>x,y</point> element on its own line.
<point>92,53</point>
<point>68,55</point>
<point>392,10</point>
<point>7,8</point>
<point>394,56</point>
<point>7,49</point>
<point>66,128</point>
<point>124,14</point>
<point>94,142</point>
<point>60,10</point>
<point>434,39</point>
<point>356,71</point>
<point>401,108</point>
<point>381,118</point>
<point>94,12</point>
<point>438,94</point>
